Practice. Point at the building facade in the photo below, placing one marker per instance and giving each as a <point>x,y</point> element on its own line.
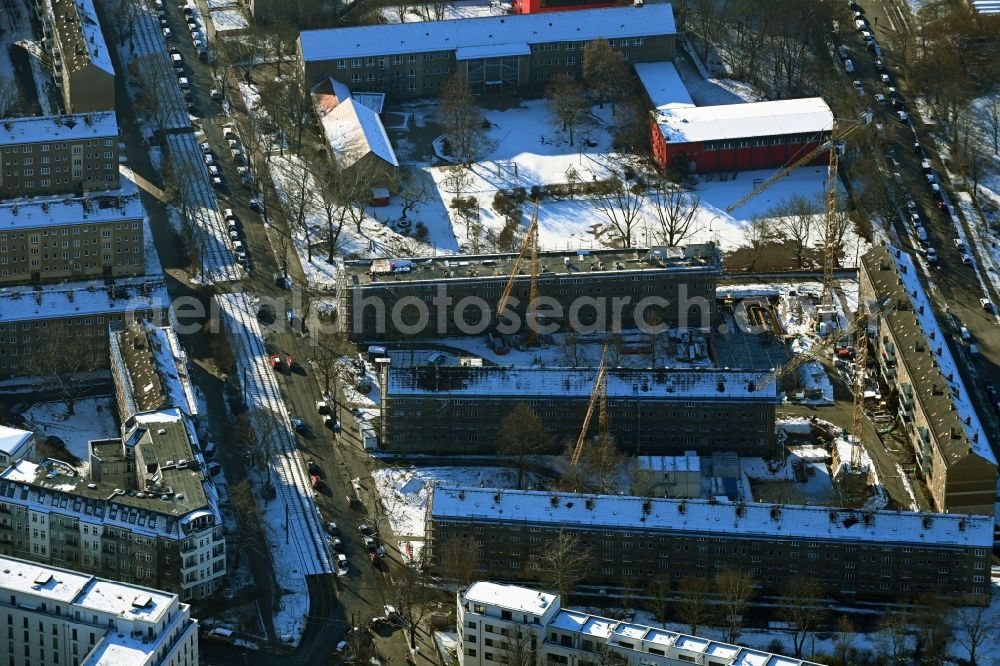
<point>496,52</point>
<point>459,410</point>
<point>496,622</point>
<point>69,154</point>
<point>81,60</point>
<point>953,453</point>
<point>147,514</point>
<point>94,236</point>
<point>59,616</point>
<point>874,556</point>
<point>46,329</point>
<point>603,290</point>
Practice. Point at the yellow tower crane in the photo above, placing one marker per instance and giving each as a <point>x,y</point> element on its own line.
<point>528,246</point>
<point>834,145</point>
<point>600,392</point>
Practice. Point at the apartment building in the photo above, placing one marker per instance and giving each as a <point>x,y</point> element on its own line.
<point>494,52</point>
<point>459,410</point>
<point>60,616</point>
<point>923,384</point>
<point>69,154</point>
<point>64,327</point>
<point>149,370</point>
<point>878,556</point>
<point>598,290</point>
<point>146,515</point>
<point>93,236</point>
<point>496,622</point>
<point>15,444</point>
<point>81,60</point>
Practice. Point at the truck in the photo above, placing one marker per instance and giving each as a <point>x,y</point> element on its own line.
<point>368,437</point>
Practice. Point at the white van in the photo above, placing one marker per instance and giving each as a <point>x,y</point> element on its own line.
<point>177,60</point>
<point>221,634</point>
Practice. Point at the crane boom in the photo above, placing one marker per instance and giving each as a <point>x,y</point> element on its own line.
<point>835,137</point>
<point>530,242</point>
<point>596,393</point>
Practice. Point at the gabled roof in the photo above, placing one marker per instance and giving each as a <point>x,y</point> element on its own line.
<point>663,83</point>
<point>353,131</point>
<point>11,439</point>
<point>33,129</point>
<point>651,20</point>
<point>80,34</point>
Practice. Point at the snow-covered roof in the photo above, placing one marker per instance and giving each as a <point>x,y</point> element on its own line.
<point>510,597</point>
<point>808,115</point>
<point>663,84</point>
<point>83,299</point>
<point>108,596</point>
<point>54,212</point>
<point>75,127</point>
<point>353,131</point>
<point>482,32</point>
<point>936,358</point>
<point>492,51</point>
<point>709,384</point>
<point>12,439</point>
<point>709,516</point>
<point>80,35</point>
<point>149,363</point>
<point>60,585</point>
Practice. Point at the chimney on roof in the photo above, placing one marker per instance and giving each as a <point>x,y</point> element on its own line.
<point>13,209</point>
<point>955,433</point>
<point>968,420</point>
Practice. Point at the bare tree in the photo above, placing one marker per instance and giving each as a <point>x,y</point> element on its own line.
<point>328,352</point>
<point>247,515</point>
<point>298,194</point>
<point>843,640</point>
<point>460,560</point>
<point>601,465</point>
<point>517,648</point>
<point>10,96</point>
<point>795,219</point>
<point>993,122</point>
<point>676,214</point>
<point>457,181</point>
<point>693,597</point>
<point>605,72</point>
<point>734,588</point>
<point>414,599</point>
<point>572,351</point>
<point>759,232</point>
<point>621,207</point>
<point>893,630</point>
<point>436,10</point>
<point>522,435</point>
<point>568,103</point>
<point>932,629</point>
<point>562,563</point>
<point>413,190</point>
<point>801,609</point>
<point>62,362</point>
<point>658,598</point>
<point>462,120</point>
<point>976,625</point>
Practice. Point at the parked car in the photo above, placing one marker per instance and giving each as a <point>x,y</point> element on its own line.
<point>331,527</point>
<point>843,52</point>
<point>228,132</point>
<point>932,257</point>
<point>215,95</point>
<point>365,530</point>
<point>275,362</point>
<point>986,304</point>
<point>963,331</point>
<point>342,564</point>
<point>318,471</point>
<point>859,88</point>
<point>214,469</point>
<point>256,206</point>
<point>849,66</point>
<point>209,450</point>
<point>299,425</point>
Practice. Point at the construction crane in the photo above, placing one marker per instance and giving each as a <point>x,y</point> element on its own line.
<point>599,392</point>
<point>530,243</point>
<point>860,379</point>
<point>833,144</point>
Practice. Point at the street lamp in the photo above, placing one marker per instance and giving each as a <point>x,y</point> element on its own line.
<point>711,222</point>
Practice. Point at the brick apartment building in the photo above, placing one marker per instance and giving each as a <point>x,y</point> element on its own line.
<point>147,514</point>
<point>458,410</point>
<point>81,61</point>
<point>149,370</point>
<point>492,618</point>
<point>91,620</point>
<point>374,296</point>
<point>69,154</point>
<point>496,52</point>
<point>68,323</point>
<point>94,236</point>
<point>875,556</point>
<point>915,364</point>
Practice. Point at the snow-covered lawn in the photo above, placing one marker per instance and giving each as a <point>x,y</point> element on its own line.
<point>457,10</point>
<point>404,493</point>
<point>94,419</point>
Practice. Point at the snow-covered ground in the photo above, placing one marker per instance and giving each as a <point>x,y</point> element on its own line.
<point>404,493</point>
<point>456,10</point>
<point>94,419</point>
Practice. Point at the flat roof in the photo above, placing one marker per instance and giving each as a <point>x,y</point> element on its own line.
<point>663,84</point>
<point>809,115</point>
<point>94,208</point>
<point>510,597</point>
<point>12,439</point>
<point>79,126</point>
<point>82,299</point>
<point>481,32</point>
<point>676,384</point>
<point>131,602</point>
<point>41,580</point>
<point>893,274</point>
<point>711,517</point>
<point>551,264</point>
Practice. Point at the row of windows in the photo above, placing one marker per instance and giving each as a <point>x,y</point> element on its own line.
<point>45,182</point>
<point>10,173</point>
<point>45,146</point>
